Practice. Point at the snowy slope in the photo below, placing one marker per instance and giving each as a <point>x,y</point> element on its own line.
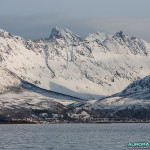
<point>65,63</point>
<point>101,36</point>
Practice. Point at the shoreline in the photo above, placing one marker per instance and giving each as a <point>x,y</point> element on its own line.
<point>24,122</point>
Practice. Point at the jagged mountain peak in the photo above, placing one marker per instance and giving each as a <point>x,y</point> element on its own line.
<point>121,35</point>
<point>125,37</point>
<point>56,32</point>
<point>65,34</point>
<point>126,44</point>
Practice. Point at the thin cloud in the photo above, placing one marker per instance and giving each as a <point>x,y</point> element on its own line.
<point>39,26</point>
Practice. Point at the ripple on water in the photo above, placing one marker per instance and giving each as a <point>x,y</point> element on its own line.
<point>72,136</point>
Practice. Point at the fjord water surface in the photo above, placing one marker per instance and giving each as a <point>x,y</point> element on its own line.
<point>72,136</point>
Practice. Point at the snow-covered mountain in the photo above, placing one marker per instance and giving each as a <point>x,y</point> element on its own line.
<point>61,72</point>
<point>98,66</point>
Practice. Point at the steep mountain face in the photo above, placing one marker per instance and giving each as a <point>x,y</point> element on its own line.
<point>65,63</point>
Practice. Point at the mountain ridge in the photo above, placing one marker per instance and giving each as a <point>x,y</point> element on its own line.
<point>89,65</point>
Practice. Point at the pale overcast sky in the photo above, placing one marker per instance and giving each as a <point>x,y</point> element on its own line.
<point>34,19</point>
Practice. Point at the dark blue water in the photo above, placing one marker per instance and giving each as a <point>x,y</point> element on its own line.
<point>72,136</point>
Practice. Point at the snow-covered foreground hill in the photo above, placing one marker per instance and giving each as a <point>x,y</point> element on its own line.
<point>137,94</point>
<point>130,105</point>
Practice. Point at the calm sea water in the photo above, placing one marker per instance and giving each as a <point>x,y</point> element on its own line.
<point>72,136</point>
